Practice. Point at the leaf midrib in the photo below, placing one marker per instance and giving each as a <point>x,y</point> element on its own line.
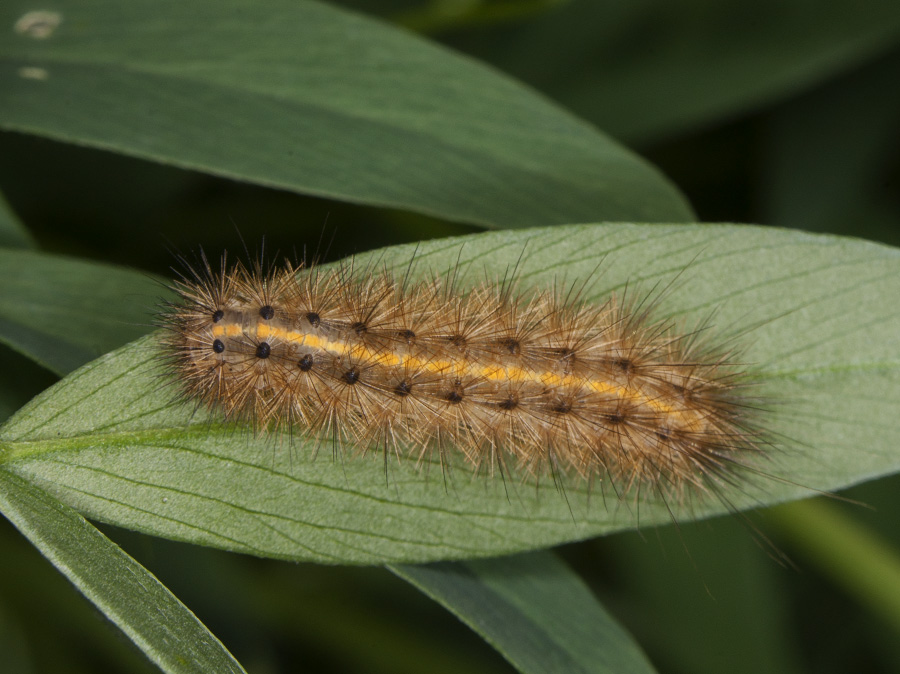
<point>13,449</point>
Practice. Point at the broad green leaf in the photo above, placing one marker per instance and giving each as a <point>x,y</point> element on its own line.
<point>12,232</point>
<point>151,616</point>
<point>534,610</point>
<point>816,314</point>
<point>650,69</point>
<point>304,96</point>
<point>63,312</point>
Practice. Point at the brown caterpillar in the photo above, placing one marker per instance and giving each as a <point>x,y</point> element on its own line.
<point>555,385</point>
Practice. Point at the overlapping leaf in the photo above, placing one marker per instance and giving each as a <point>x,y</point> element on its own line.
<point>63,312</point>
<point>126,592</point>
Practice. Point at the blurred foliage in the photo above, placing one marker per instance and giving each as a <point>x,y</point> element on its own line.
<point>783,113</point>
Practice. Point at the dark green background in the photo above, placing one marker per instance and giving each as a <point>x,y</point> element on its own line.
<point>779,113</point>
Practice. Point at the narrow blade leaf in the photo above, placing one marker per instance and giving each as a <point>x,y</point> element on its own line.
<point>168,633</point>
<point>534,611</point>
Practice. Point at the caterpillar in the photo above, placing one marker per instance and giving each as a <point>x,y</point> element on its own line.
<point>537,381</point>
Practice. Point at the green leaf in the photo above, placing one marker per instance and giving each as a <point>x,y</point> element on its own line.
<point>534,611</point>
<point>168,633</point>
<point>820,323</point>
<point>12,232</point>
<point>647,70</point>
<point>310,98</point>
<point>63,312</point>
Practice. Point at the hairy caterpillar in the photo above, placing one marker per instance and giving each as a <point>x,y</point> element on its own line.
<point>542,380</point>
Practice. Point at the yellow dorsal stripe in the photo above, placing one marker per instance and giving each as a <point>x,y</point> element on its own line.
<point>491,372</point>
